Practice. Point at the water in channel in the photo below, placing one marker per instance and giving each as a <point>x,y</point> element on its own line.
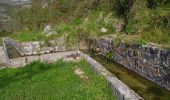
<point>145,88</point>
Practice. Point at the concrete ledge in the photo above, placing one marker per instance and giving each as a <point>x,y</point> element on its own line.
<point>36,47</point>
<point>47,58</point>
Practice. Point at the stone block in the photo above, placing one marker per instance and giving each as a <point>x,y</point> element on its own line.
<point>30,59</point>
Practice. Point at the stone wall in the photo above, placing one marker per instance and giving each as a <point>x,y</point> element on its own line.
<point>151,62</point>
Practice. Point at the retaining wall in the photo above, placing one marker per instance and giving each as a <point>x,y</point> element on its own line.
<point>151,62</point>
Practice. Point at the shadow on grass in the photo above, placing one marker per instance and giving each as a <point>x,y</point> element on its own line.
<point>24,73</point>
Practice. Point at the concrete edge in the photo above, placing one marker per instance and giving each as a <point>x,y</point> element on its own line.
<point>5,50</point>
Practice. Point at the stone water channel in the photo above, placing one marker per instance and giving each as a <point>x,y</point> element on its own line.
<point>148,61</point>
<point>145,88</point>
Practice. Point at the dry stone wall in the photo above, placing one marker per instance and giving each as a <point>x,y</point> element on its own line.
<point>151,62</point>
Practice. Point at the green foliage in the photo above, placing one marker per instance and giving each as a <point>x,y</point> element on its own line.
<point>77,20</point>
<point>56,12</point>
<point>64,5</point>
<point>82,28</point>
<point>161,22</point>
<point>139,17</point>
<point>151,25</point>
<point>157,3</point>
<point>53,81</point>
<point>156,36</point>
<point>27,36</point>
<point>131,28</point>
<point>123,7</point>
<point>141,42</point>
<point>63,28</point>
<point>109,55</point>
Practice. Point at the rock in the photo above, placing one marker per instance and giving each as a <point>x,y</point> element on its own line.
<point>119,27</point>
<point>45,5</point>
<point>48,31</point>
<point>103,30</point>
<point>80,73</point>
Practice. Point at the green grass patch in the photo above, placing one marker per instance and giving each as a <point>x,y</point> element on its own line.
<point>27,36</point>
<point>155,37</point>
<point>57,81</point>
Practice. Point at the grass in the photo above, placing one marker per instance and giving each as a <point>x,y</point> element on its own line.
<point>143,87</point>
<point>157,38</point>
<point>57,81</point>
<point>83,17</point>
<point>1,41</point>
<point>27,36</point>
<point>24,36</point>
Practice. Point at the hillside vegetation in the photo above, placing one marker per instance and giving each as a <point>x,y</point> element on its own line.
<point>142,21</point>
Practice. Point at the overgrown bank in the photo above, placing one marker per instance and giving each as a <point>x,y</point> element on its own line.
<point>142,21</point>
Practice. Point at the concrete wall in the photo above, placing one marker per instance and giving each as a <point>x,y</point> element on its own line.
<point>46,58</point>
<point>35,48</point>
<point>151,62</point>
